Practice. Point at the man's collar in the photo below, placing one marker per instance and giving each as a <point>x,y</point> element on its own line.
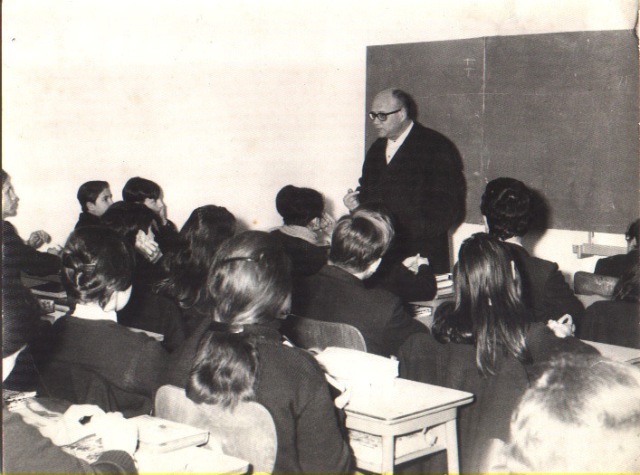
<point>403,135</point>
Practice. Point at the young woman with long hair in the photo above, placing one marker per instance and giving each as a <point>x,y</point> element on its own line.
<point>238,355</point>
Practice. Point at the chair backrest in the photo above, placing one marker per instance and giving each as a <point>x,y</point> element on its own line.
<point>309,334</point>
<point>587,283</point>
<point>248,432</point>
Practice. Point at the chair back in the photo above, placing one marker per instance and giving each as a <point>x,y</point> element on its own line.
<point>587,283</point>
<point>309,334</point>
<point>247,432</point>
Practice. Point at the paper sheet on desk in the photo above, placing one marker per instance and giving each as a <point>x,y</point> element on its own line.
<point>353,367</point>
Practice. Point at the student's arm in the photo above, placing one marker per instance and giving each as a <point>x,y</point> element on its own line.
<point>25,450</point>
<point>559,299</point>
<point>399,327</point>
<point>18,255</point>
<point>320,442</point>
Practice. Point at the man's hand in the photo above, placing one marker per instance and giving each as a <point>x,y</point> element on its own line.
<point>350,200</point>
<point>413,263</point>
<point>38,238</point>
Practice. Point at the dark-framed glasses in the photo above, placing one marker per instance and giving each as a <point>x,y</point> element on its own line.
<point>382,116</point>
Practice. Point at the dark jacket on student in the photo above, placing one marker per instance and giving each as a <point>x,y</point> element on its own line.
<point>306,258</point>
<point>23,306</point>
<point>126,364</point>
<point>397,279</point>
<point>291,385</point>
<point>453,365</point>
<point>545,292</point>
<point>615,266</point>
<point>25,450</point>
<point>335,295</point>
<point>614,322</point>
<point>87,219</point>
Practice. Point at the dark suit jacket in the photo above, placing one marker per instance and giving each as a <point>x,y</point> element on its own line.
<point>453,365</point>
<point>334,295</point>
<point>612,322</point>
<point>544,289</point>
<point>423,187</point>
<point>615,266</point>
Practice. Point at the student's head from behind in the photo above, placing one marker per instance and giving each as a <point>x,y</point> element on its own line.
<point>202,234</point>
<point>359,241</point>
<point>130,219</point>
<point>97,265</point>
<point>251,282</point>
<point>204,231</point>
<point>95,197</point>
<point>9,197</point>
<point>628,287</point>
<point>147,192</point>
<point>633,234</point>
<point>582,415</point>
<point>507,207</point>
<point>487,290</point>
<point>299,206</point>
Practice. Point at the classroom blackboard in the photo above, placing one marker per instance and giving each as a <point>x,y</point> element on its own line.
<point>557,111</point>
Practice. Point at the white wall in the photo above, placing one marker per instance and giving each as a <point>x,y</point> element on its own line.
<point>223,102</point>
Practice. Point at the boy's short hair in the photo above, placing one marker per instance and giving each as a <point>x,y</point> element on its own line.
<point>633,232</point>
<point>89,192</point>
<point>582,415</point>
<point>358,241</point>
<point>129,218</point>
<point>137,189</point>
<point>507,205</point>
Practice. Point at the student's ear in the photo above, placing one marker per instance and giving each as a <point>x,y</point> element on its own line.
<point>91,207</point>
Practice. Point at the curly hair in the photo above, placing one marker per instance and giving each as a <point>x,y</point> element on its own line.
<point>96,262</point>
<point>507,205</point>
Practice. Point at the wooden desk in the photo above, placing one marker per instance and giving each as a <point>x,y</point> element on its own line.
<point>406,407</point>
<point>190,460</point>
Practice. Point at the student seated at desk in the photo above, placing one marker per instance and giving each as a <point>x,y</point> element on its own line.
<point>507,209</point>
<point>146,310</point>
<point>20,256</point>
<point>617,321</point>
<point>412,279</point>
<point>94,198</point>
<point>616,266</point>
<point>96,273</point>
<point>581,416</point>
<point>337,293</point>
<point>188,265</point>
<point>306,231</point>
<point>149,193</point>
<point>239,355</point>
<point>26,450</point>
<point>484,343</point>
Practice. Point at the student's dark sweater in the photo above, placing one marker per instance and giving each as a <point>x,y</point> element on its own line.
<point>291,385</point>
<point>25,450</point>
<point>87,219</point>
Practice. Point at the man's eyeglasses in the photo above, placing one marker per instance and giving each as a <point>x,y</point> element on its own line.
<point>382,116</point>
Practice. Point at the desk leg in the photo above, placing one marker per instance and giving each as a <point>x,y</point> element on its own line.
<point>388,454</point>
<point>452,447</point>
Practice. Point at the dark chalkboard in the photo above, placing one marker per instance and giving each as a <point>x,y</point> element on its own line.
<point>557,111</point>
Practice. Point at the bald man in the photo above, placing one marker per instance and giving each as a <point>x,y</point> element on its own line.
<point>416,173</point>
